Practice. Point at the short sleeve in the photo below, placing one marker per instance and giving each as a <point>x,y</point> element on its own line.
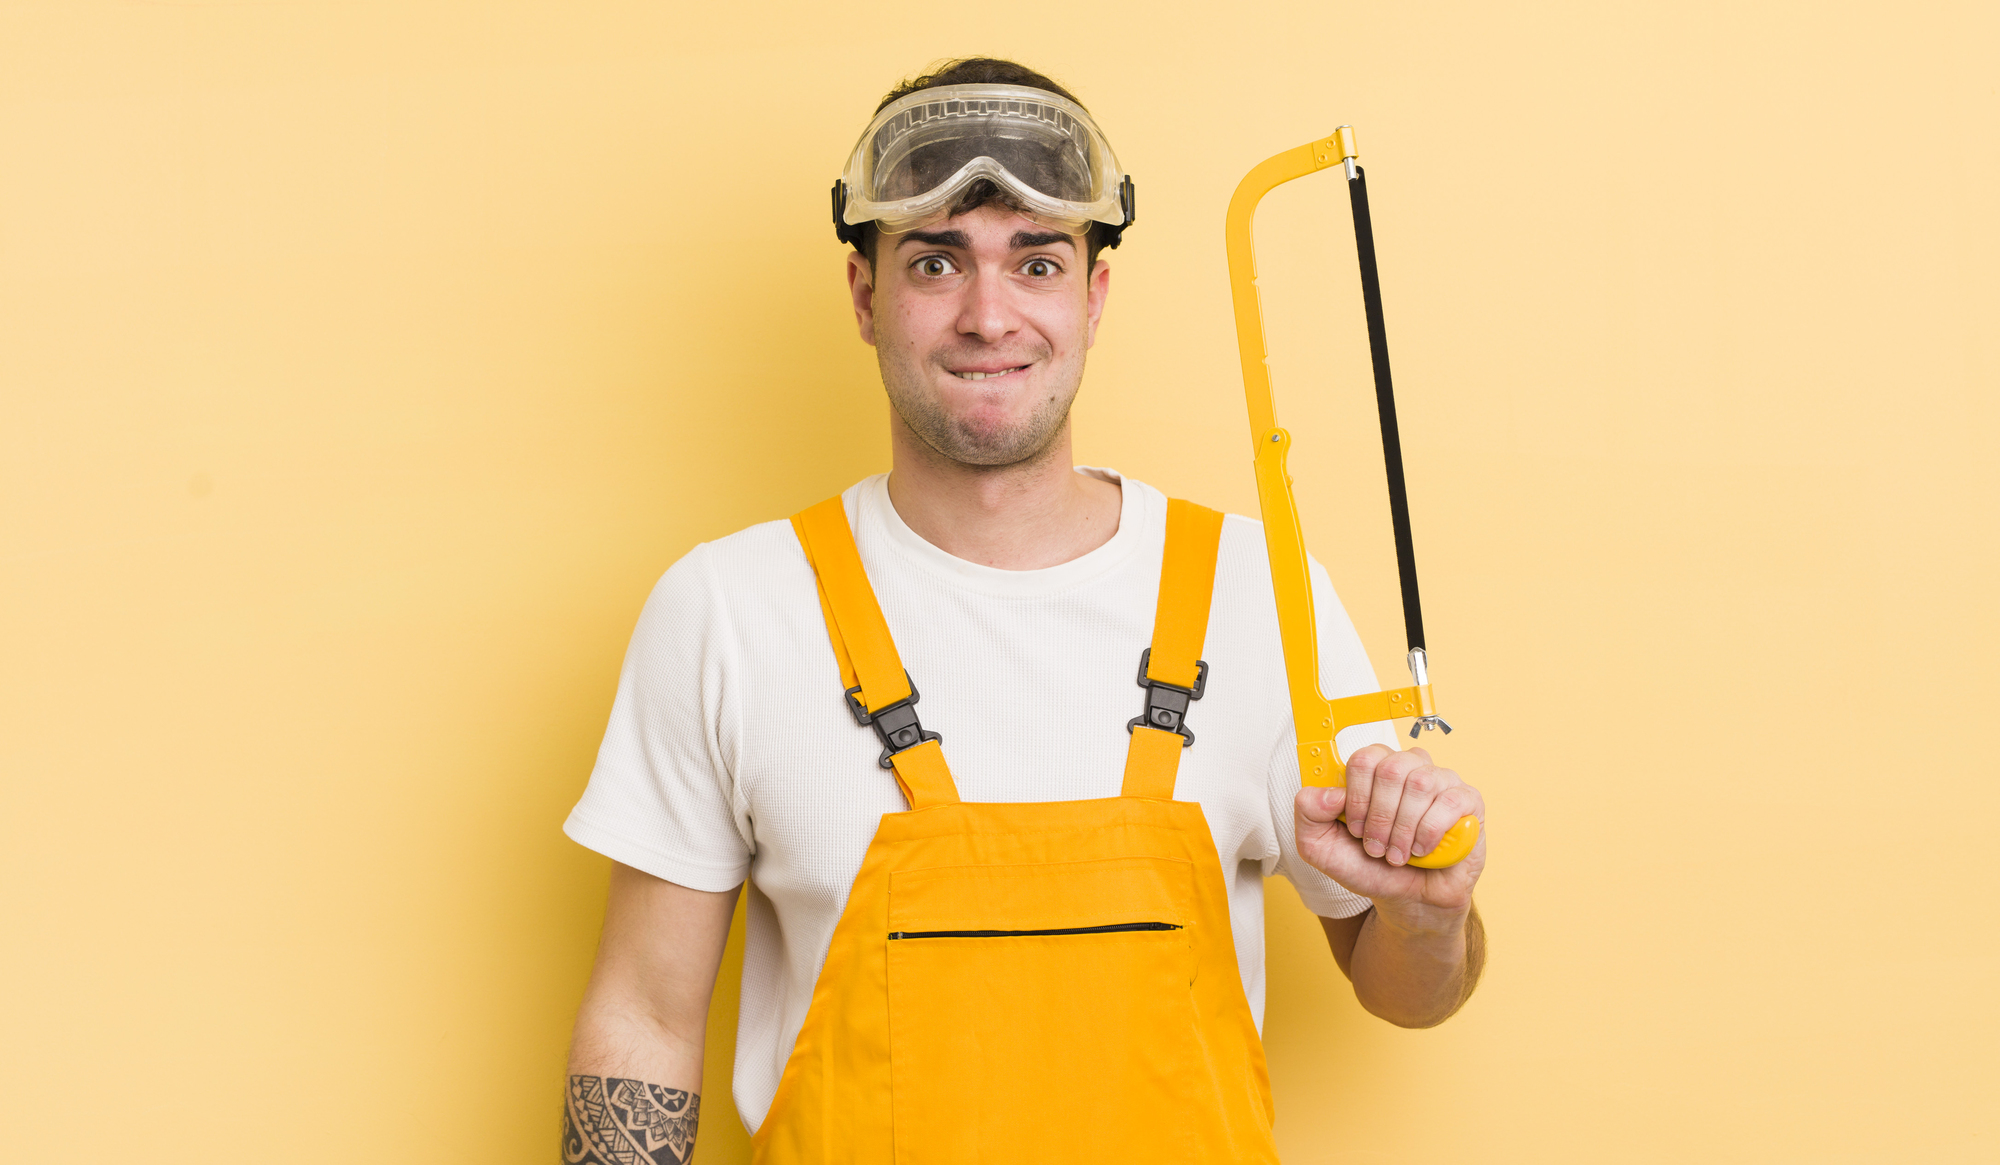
<point>1344,671</point>
<point>663,797</point>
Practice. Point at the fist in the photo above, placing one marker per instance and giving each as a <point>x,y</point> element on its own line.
<point>1396,805</point>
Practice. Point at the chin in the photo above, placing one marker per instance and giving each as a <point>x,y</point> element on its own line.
<point>996,444</point>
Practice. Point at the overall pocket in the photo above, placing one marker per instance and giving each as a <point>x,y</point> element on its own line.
<point>1044,1013</point>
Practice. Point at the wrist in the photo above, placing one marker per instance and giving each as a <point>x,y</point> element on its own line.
<point>1421,920</point>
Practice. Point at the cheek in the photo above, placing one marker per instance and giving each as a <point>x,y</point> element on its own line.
<point>1065,324</point>
<point>920,324</point>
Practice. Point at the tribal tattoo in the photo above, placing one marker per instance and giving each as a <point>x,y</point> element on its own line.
<point>609,1121</point>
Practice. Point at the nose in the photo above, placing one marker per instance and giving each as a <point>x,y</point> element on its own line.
<point>988,310</point>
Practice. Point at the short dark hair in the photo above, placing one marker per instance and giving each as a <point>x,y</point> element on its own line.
<point>982,191</point>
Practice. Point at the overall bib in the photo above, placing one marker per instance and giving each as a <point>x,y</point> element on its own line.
<point>1051,982</point>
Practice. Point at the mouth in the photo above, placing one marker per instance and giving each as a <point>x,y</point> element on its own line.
<point>986,373</point>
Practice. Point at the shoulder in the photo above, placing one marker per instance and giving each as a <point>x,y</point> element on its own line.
<point>757,557</point>
<point>749,558</point>
<point>1240,559</point>
<point>752,553</point>
<point>1243,538</point>
<point>732,585</point>
<point>1244,558</point>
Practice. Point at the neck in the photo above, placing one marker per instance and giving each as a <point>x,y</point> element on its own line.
<point>1034,514</point>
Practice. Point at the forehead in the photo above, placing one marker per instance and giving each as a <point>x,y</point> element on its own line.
<point>987,228</point>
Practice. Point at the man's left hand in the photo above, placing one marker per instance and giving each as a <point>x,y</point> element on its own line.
<point>1397,804</point>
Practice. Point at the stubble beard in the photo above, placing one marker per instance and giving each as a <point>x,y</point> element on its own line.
<point>955,440</point>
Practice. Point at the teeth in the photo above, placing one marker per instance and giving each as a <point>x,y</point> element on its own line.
<point>980,375</point>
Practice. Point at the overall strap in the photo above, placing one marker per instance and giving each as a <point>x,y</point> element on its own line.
<point>879,692</point>
<point>1171,670</point>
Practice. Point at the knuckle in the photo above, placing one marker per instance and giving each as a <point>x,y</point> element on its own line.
<point>1355,810</point>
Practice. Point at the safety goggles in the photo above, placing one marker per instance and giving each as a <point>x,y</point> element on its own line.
<point>923,150</point>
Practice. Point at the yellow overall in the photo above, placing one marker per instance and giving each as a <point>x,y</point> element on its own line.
<point>1051,982</point>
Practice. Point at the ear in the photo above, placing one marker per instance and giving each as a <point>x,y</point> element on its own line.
<point>1095,295</point>
<point>861,287</point>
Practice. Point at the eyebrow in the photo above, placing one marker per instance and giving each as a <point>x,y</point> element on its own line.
<point>937,239</point>
<point>1025,239</point>
<point>1022,240</point>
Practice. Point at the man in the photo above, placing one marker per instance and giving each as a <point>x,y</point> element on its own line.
<point>964,944</point>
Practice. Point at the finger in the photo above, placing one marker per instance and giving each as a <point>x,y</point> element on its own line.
<point>1320,806</point>
<point>1420,789</point>
<point>1326,844</point>
<point>1451,804</point>
<point>1341,858</point>
<point>1361,782</point>
<point>1390,777</point>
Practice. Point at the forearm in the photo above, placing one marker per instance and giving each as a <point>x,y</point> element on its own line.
<point>633,1093</point>
<point>623,1038</point>
<point>634,1085</point>
<point>1415,968</point>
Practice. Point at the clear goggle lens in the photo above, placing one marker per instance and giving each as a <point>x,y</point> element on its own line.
<point>923,150</point>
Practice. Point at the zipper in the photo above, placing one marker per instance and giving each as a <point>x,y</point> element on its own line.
<point>1113,929</point>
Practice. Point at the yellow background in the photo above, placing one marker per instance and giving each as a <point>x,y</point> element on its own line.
<point>363,364</point>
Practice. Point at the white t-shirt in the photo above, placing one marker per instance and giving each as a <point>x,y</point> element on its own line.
<point>731,753</point>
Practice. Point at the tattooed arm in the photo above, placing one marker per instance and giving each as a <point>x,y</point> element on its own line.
<point>629,1122</point>
<point>635,1061</point>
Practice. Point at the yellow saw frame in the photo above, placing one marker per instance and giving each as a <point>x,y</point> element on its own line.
<point>1317,719</point>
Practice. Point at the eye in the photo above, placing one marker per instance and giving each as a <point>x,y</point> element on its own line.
<point>935,266</point>
<point>1040,268</point>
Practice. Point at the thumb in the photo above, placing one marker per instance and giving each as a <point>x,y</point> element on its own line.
<point>1321,805</point>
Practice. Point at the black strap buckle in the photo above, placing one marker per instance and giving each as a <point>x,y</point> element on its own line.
<point>1167,704</point>
<point>896,724</point>
<point>843,230</point>
<point>1128,201</point>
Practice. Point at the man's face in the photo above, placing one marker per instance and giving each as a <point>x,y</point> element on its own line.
<point>980,324</point>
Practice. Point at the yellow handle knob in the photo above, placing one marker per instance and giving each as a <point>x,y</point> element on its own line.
<point>1452,847</point>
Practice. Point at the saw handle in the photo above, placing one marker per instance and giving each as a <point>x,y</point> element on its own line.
<point>1450,849</point>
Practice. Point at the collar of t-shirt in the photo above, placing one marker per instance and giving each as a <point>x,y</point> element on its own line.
<point>880,523</point>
